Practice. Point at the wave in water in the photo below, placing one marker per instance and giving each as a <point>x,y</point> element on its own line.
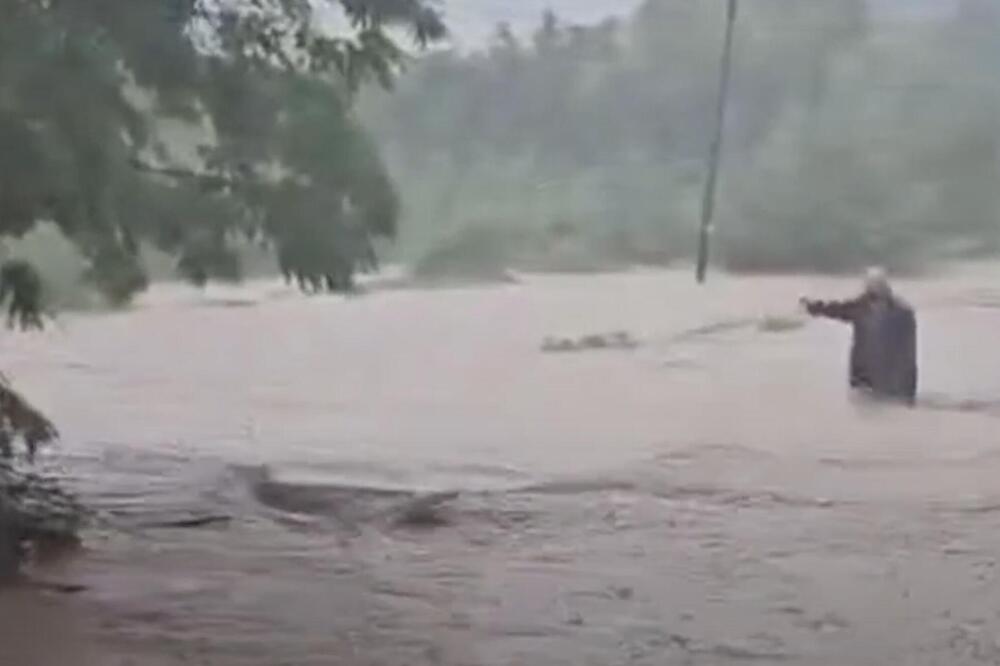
<point>357,506</point>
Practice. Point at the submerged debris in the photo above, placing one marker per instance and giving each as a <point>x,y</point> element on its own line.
<point>613,340</point>
<point>424,512</point>
<point>189,523</point>
<point>57,587</point>
<point>775,324</point>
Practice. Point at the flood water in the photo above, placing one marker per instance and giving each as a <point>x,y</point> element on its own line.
<point>405,478</point>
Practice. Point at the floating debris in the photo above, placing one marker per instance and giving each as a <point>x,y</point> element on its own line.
<point>189,523</point>
<point>598,341</point>
<point>425,511</point>
<point>774,324</point>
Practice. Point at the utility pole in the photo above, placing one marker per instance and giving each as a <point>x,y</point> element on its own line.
<point>715,150</point>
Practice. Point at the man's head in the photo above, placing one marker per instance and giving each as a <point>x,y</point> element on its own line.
<point>877,283</point>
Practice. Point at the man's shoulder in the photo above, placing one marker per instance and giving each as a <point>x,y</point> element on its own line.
<point>902,304</point>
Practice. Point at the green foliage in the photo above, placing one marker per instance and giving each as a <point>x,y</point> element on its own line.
<point>85,91</point>
<point>21,292</point>
<point>33,509</point>
<point>21,424</point>
<point>35,514</point>
<point>849,141</point>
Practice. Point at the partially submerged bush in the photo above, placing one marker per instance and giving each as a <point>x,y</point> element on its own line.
<point>35,512</point>
<point>36,516</point>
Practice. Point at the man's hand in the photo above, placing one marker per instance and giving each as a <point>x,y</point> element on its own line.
<point>808,305</point>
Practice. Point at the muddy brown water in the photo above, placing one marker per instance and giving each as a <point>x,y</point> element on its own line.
<point>407,479</point>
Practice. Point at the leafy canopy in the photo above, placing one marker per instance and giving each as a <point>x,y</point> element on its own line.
<point>96,94</point>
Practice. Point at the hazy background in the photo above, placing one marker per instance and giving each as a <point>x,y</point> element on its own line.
<point>473,23</point>
<point>859,131</point>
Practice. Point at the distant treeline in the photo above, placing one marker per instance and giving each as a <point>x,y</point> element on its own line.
<point>849,141</point>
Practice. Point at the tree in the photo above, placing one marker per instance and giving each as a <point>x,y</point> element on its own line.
<point>263,91</point>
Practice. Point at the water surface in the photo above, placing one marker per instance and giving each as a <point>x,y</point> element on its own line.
<point>407,479</point>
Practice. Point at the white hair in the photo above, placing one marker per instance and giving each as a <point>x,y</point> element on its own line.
<point>877,282</point>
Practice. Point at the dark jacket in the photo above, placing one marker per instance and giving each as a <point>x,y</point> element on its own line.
<point>884,351</point>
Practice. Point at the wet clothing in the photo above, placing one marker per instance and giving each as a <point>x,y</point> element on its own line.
<point>884,350</point>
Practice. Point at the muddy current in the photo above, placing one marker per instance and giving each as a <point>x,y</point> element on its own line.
<point>408,478</point>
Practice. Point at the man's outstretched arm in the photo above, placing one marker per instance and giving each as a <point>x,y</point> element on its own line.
<point>840,310</point>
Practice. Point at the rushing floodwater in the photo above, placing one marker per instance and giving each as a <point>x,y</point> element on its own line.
<point>407,479</point>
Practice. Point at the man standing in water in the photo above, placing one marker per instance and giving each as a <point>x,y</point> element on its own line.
<point>884,350</point>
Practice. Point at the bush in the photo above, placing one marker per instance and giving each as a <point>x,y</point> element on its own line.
<point>35,512</point>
